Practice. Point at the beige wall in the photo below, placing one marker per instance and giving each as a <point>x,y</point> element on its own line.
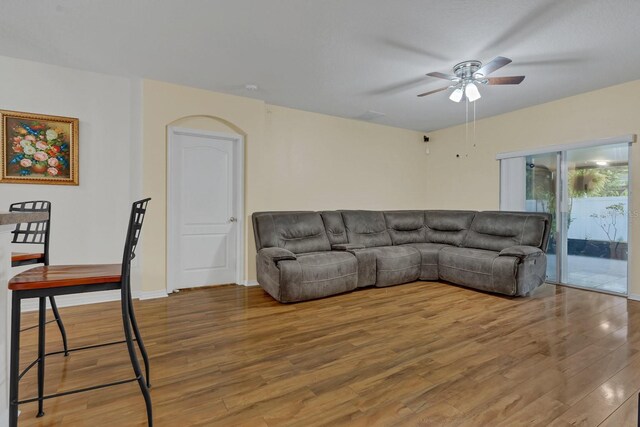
<point>294,160</point>
<point>301,160</point>
<point>472,181</point>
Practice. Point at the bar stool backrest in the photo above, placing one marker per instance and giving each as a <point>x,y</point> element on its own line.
<point>36,232</point>
<point>138,211</point>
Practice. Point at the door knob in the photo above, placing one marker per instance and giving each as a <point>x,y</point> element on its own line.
<point>233,219</point>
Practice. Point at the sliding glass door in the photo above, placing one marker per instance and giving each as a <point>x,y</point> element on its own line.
<point>586,190</point>
<point>596,217</point>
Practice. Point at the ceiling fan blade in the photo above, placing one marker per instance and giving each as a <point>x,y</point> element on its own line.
<point>511,80</point>
<point>494,65</point>
<point>413,49</point>
<point>550,61</point>
<point>434,91</point>
<point>541,14</point>
<point>442,76</point>
<point>402,86</point>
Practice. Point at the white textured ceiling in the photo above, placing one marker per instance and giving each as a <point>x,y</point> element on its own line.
<point>339,57</point>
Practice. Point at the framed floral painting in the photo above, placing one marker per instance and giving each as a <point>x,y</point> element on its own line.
<point>38,149</point>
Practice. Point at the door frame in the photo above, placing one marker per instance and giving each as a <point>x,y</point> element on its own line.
<point>561,166</point>
<point>238,152</point>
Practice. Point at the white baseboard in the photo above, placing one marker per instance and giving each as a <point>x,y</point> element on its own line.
<point>91,298</point>
<point>634,297</point>
<point>143,295</point>
<point>250,283</point>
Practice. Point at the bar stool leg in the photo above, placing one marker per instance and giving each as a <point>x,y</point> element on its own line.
<point>15,360</point>
<point>42,329</point>
<point>63,332</point>
<point>143,350</point>
<point>134,358</point>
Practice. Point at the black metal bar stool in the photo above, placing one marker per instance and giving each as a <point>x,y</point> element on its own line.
<point>47,281</point>
<point>36,233</point>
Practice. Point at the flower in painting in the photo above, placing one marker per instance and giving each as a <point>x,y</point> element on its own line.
<point>29,150</point>
<point>17,149</point>
<point>41,145</point>
<point>30,138</point>
<point>25,143</point>
<point>25,163</point>
<point>53,162</point>
<point>40,156</point>
<point>51,134</point>
<point>52,171</point>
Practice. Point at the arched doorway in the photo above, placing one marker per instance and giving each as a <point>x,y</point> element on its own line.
<point>205,207</point>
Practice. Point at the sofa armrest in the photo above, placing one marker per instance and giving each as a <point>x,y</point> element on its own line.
<point>346,247</point>
<point>521,252</point>
<point>278,254</point>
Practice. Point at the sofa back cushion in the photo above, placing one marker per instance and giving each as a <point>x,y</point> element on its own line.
<point>366,228</point>
<point>448,227</point>
<point>299,232</point>
<point>546,217</point>
<point>333,224</point>
<point>496,231</point>
<point>405,226</point>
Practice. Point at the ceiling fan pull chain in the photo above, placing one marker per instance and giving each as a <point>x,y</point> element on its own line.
<point>474,124</point>
<point>466,127</point>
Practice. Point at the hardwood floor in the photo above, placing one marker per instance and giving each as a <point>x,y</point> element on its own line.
<point>426,354</point>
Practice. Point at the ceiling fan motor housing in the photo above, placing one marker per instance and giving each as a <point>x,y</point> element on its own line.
<point>464,70</point>
<point>467,74</point>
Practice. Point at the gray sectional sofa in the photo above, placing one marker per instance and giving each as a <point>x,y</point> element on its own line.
<point>308,255</point>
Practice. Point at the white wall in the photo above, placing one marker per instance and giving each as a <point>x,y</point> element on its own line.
<point>88,221</point>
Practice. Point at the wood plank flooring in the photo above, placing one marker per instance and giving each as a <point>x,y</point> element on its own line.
<point>427,354</point>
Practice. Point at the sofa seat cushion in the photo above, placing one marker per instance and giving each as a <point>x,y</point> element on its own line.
<point>429,253</point>
<point>313,275</point>
<point>480,269</point>
<point>326,266</point>
<point>394,264</point>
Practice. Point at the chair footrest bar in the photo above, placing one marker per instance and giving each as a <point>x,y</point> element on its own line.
<point>32,364</point>
<point>88,347</point>
<point>79,390</point>
<point>35,326</point>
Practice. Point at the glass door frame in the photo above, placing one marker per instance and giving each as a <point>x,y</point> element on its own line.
<point>562,205</point>
<point>562,221</point>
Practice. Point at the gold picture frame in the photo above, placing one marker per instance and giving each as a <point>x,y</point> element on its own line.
<point>38,149</point>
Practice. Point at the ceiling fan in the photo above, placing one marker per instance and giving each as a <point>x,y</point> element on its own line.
<point>468,74</point>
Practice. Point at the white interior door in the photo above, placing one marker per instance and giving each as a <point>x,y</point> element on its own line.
<point>203,213</point>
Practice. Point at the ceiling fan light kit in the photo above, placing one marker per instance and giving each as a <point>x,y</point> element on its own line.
<point>468,74</point>
<point>456,95</point>
<point>472,92</point>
